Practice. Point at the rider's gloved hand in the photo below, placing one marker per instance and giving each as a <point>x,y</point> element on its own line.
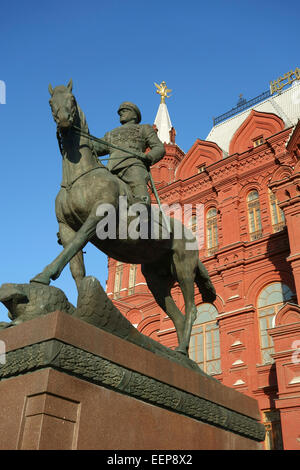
<point>146,160</point>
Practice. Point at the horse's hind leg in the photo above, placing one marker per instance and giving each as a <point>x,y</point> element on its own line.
<point>187,288</point>
<point>77,268</point>
<point>185,273</point>
<point>160,287</point>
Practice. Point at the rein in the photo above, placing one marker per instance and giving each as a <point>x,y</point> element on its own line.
<point>140,157</point>
<point>69,186</point>
<point>101,141</point>
<point>88,136</point>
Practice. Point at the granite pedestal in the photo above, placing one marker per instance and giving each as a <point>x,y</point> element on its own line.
<point>66,384</point>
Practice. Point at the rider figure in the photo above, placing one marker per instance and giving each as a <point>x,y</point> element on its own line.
<point>134,137</point>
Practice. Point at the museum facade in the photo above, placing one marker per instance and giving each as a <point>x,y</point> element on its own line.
<point>242,185</point>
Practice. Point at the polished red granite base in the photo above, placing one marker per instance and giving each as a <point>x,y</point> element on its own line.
<point>69,385</point>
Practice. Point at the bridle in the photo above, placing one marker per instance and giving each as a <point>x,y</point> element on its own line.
<point>61,146</point>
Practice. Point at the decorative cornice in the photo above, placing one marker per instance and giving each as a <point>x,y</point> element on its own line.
<point>233,169</point>
<point>246,253</point>
<point>239,311</point>
<point>71,360</point>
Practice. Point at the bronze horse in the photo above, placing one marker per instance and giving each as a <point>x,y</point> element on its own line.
<point>86,184</point>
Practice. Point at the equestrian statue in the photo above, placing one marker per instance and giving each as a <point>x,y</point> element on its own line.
<point>87,184</point>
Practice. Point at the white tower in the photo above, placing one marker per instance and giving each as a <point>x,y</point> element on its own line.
<point>162,120</point>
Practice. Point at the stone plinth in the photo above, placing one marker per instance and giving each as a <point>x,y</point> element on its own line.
<point>69,385</point>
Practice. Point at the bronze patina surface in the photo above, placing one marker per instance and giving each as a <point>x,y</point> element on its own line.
<point>87,184</point>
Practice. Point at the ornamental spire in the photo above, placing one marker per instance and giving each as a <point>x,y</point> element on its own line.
<point>162,120</point>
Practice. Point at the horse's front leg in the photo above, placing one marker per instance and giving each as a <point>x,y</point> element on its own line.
<point>81,238</point>
<point>66,235</point>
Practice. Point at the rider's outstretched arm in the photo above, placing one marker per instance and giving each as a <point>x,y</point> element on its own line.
<point>101,148</point>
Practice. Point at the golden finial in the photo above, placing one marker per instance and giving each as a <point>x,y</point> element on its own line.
<point>163,91</point>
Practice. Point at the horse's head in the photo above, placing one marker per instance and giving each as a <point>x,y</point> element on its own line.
<point>63,105</point>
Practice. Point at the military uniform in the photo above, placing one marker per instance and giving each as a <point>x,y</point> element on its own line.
<point>135,138</point>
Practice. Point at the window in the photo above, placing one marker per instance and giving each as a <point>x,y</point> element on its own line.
<point>118,279</point>
<point>255,228</point>
<point>212,231</point>
<point>278,220</point>
<point>132,278</point>
<point>270,300</point>
<point>201,168</point>
<point>193,223</point>
<point>205,340</point>
<point>258,141</point>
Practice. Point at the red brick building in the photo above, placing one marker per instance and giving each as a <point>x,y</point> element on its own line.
<point>246,173</point>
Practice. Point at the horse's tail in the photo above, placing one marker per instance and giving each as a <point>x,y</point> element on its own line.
<point>204,284</point>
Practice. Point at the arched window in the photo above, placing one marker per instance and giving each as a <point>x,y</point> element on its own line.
<point>205,340</point>
<point>269,302</point>
<point>211,231</point>
<point>132,278</point>
<point>118,279</point>
<point>278,220</point>
<point>255,228</point>
<point>164,174</point>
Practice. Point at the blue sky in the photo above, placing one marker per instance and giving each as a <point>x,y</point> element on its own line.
<point>207,52</point>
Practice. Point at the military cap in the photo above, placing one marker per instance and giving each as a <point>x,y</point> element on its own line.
<point>128,105</point>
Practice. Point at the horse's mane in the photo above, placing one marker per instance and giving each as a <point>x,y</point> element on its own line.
<point>82,123</point>
<point>82,120</point>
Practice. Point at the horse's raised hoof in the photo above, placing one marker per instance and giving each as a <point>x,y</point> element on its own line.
<point>41,279</point>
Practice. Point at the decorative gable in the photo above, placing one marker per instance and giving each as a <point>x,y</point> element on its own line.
<point>254,131</point>
<point>201,155</point>
<point>283,172</point>
<point>293,145</point>
<point>289,313</point>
